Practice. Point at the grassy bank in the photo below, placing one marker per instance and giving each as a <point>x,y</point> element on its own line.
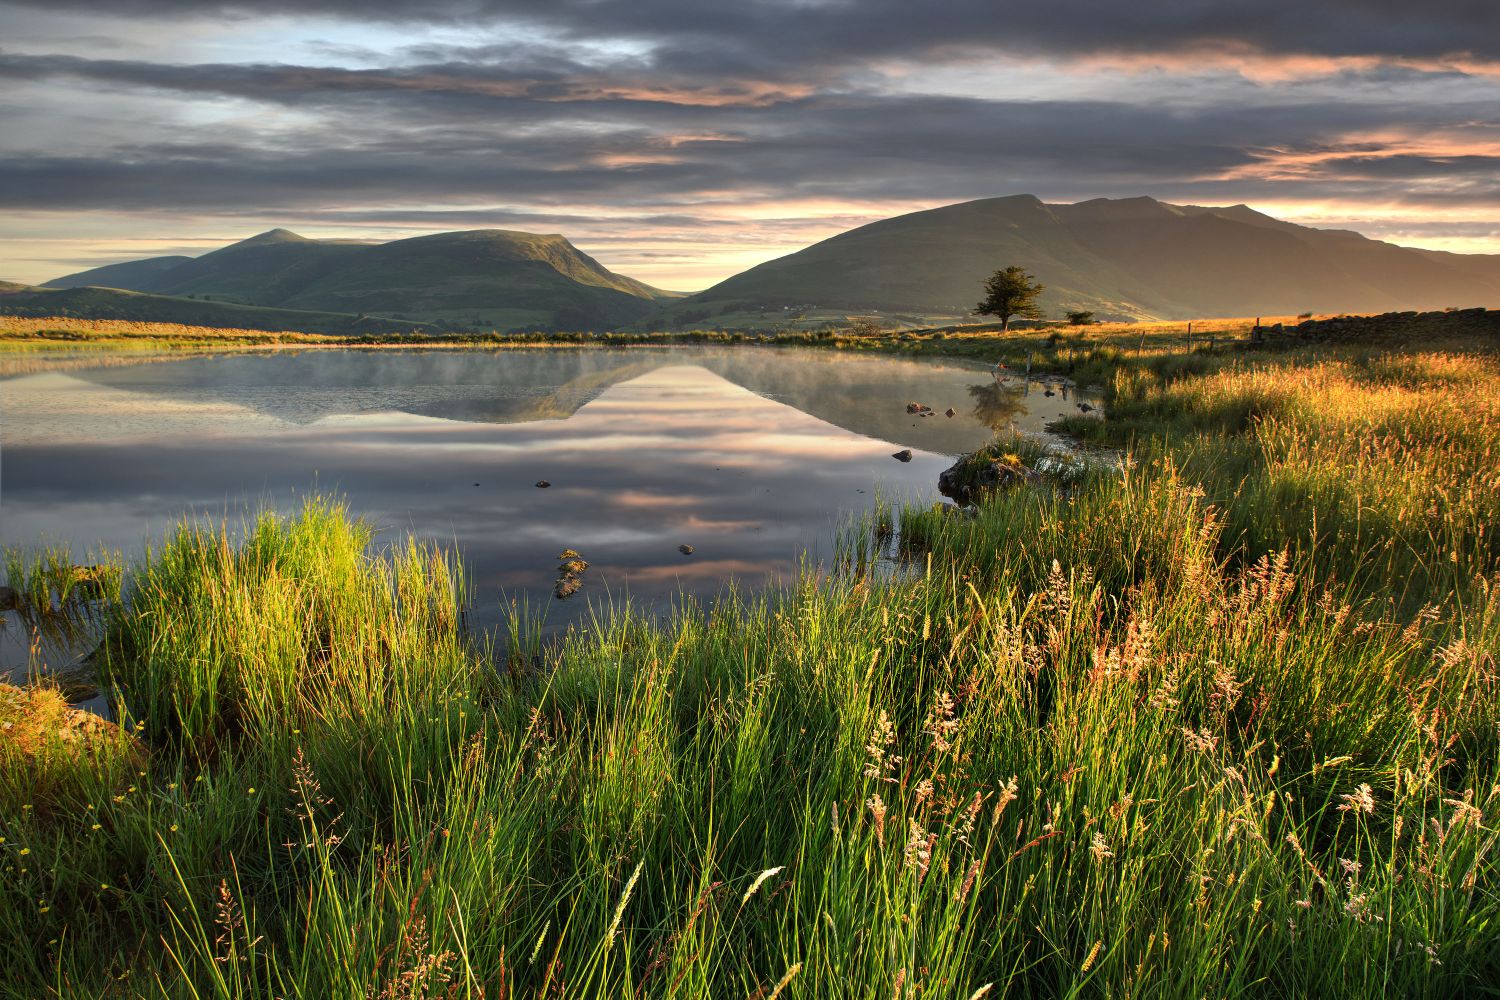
<point>1222,723</point>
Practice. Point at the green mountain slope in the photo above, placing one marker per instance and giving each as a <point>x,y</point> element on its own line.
<point>1124,258</point>
<point>143,307</point>
<point>138,275</point>
<point>486,278</point>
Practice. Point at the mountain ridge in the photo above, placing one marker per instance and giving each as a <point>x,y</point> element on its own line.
<point>488,278</point>
<point>1121,258</point>
<point>1126,258</point>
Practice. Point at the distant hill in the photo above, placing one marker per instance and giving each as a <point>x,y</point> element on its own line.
<point>142,307</point>
<point>1134,258</point>
<point>489,279</point>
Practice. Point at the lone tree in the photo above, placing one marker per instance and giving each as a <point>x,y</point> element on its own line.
<point>1010,292</point>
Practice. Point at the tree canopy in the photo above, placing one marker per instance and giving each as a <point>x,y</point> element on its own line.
<point>1010,292</point>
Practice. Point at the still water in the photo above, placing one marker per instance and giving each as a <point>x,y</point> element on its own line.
<point>752,456</point>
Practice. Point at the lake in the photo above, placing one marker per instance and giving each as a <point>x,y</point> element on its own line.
<point>753,456</point>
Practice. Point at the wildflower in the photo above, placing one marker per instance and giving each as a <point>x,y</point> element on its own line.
<point>1201,741</point>
<point>614,924</point>
<point>790,973</point>
<point>760,880</point>
<point>25,851</point>
<point>1100,849</point>
<point>918,852</point>
<point>941,724</point>
<point>1361,800</point>
<point>881,760</point>
<point>1008,794</point>
<point>250,791</point>
<point>1464,811</point>
<point>876,805</point>
<point>1358,907</point>
<point>962,894</point>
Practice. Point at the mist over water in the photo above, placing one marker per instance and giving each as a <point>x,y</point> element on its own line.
<point>754,457</point>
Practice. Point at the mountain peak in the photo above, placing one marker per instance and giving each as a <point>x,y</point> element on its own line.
<point>271,236</point>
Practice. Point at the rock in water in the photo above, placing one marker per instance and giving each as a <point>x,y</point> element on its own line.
<point>918,408</point>
<point>542,484</point>
<point>972,476</point>
<point>10,598</point>
<point>952,412</point>
<point>570,570</point>
<point>686,550</point>
<point>904,455</point>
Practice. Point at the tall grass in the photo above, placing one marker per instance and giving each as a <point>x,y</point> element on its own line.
<point>1139,734</point>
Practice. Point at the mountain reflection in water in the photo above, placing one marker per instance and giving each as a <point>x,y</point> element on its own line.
<point>749,455</point>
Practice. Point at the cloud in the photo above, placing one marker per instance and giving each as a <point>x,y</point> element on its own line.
<point>749,127</point>
<point>703,37</point>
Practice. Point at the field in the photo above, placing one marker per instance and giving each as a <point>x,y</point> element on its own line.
<point>1220,719</point>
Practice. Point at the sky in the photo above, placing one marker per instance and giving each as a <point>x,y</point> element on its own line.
<point>681,141</point>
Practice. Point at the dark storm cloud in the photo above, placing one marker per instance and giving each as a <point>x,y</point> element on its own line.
<point>705,36</point>
<point>375,140</point>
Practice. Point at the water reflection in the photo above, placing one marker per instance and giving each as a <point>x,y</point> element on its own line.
<point>750,456</point>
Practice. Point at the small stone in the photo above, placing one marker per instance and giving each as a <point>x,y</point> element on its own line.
<point>904,455</point>
<point>918,408</point>
<point>951,412</point>
<point>541,484</point>
<point>686,550</point>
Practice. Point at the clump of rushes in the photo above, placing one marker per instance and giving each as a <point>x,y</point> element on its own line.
<point>1099,747</point>
<point>292,624</point>
<point>47,582</point>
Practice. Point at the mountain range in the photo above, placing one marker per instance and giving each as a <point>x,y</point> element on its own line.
<point>487,278</point>
<point>1132,258</point>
